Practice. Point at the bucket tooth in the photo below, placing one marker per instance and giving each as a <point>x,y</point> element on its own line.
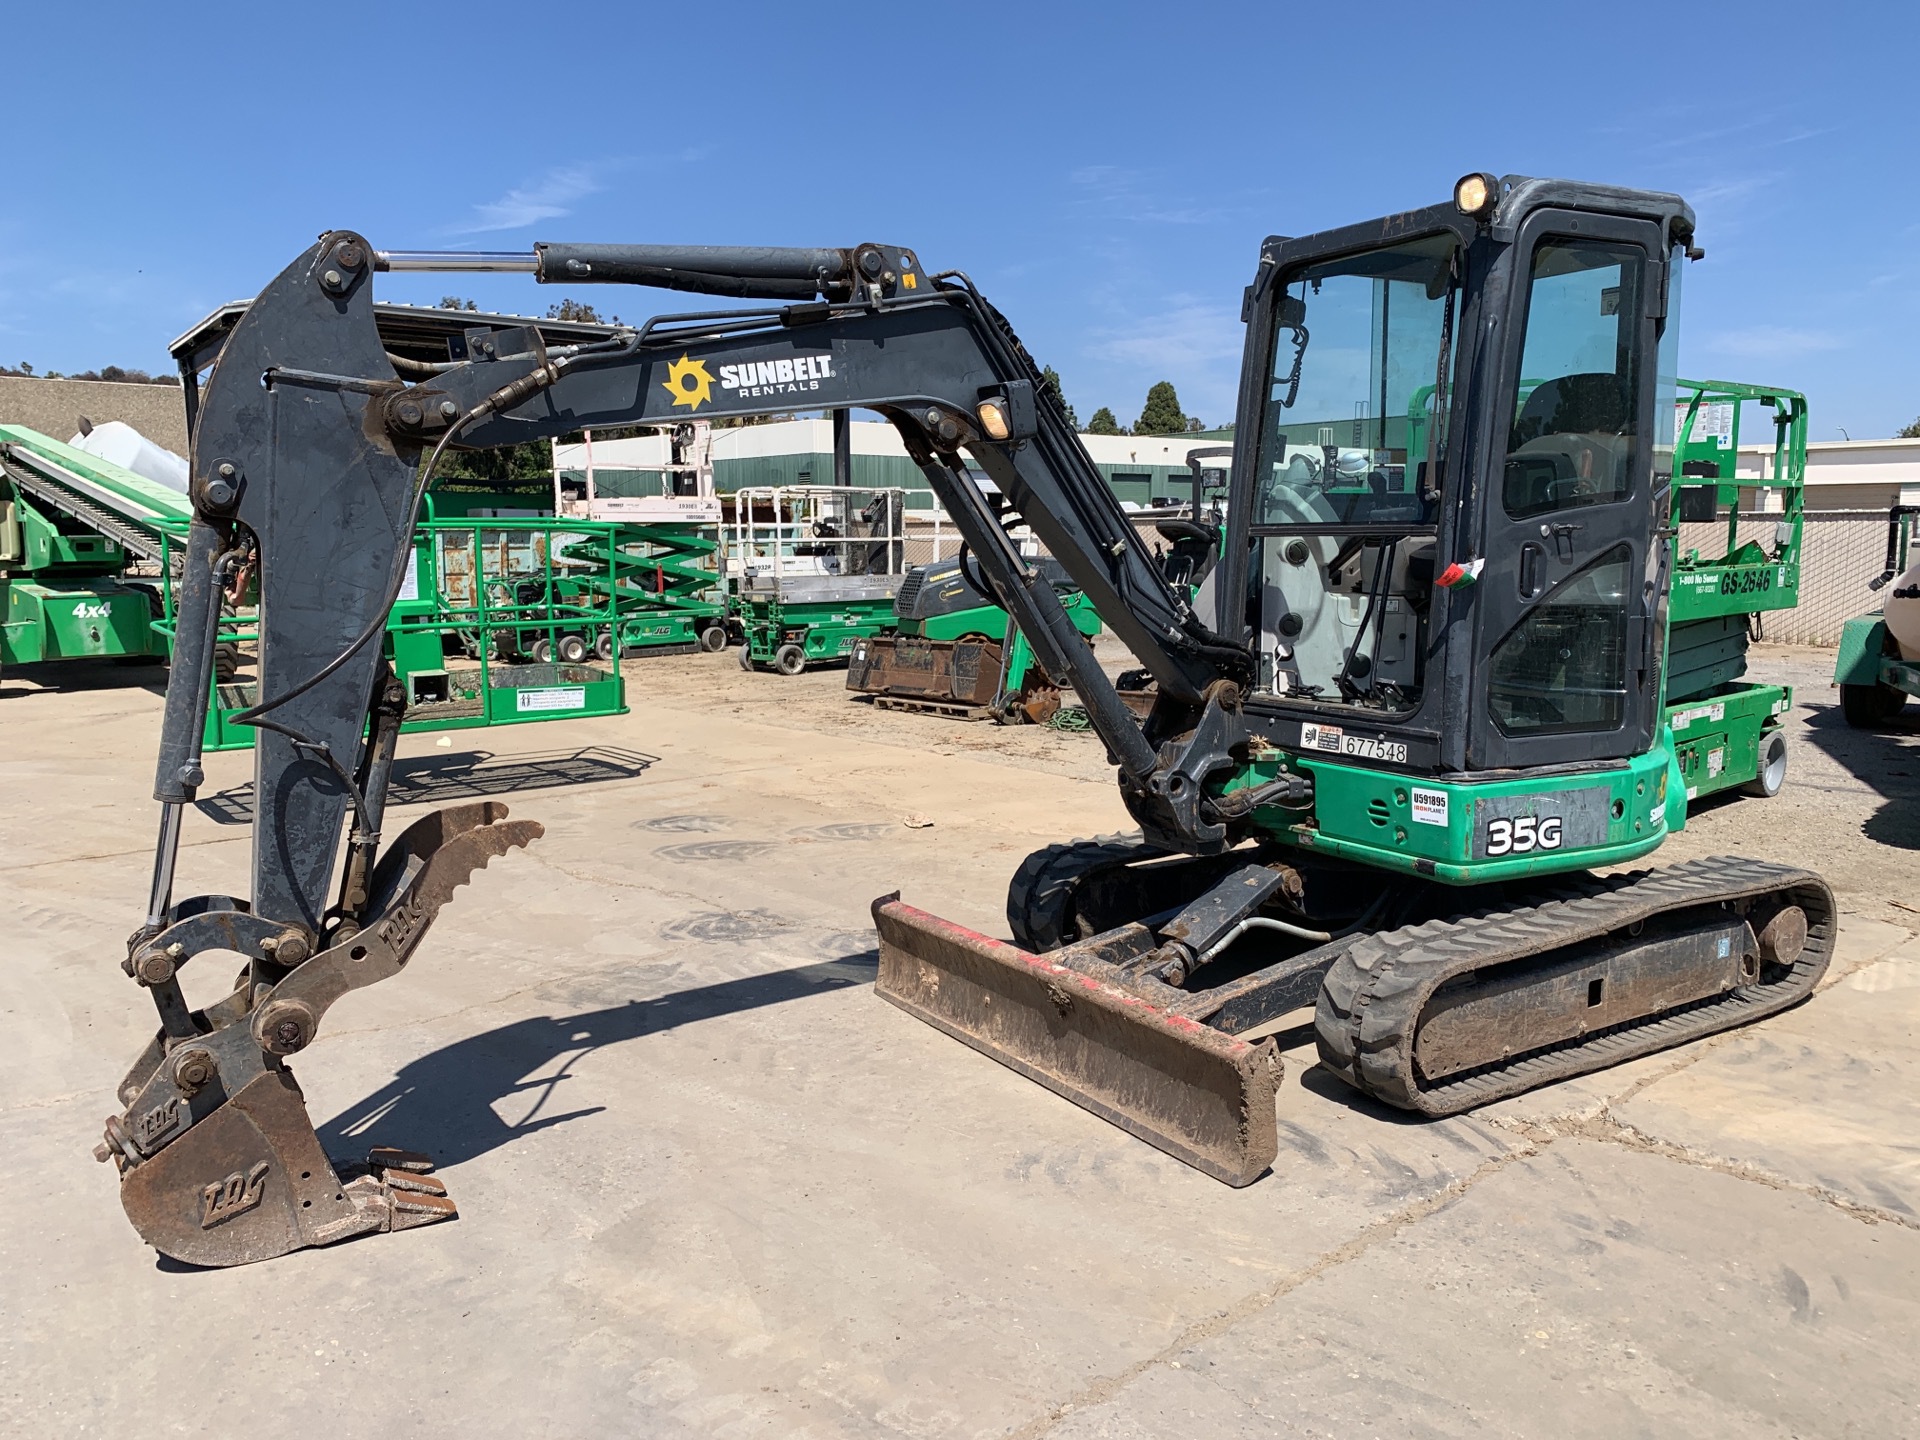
<point>399,1191</point>
<point>1202,1096</point>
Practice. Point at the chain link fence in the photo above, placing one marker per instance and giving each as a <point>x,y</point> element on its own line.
<point>1840,551</point>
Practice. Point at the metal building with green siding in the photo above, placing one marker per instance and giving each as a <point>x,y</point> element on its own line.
<point>1141,468</point>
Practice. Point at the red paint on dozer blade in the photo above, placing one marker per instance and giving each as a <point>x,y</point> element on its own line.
<point>1202,1096</point>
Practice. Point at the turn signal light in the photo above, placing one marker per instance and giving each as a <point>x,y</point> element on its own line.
<point>993,419</point>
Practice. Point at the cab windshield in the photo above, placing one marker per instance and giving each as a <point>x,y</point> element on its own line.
<point>1354,366</point>
<point>1344,501</point>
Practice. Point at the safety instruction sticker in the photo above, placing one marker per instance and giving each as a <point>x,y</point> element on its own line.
<point>1712,421</point>
<point>1683,718</point>
<point>553,697</point>
<point>1429,807</point>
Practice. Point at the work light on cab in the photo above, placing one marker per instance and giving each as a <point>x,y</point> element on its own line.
<point>1474,194</point>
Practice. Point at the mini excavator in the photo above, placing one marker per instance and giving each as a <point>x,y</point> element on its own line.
<point>1411,713</point>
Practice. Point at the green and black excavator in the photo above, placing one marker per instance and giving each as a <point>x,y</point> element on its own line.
<point>1397,733</point>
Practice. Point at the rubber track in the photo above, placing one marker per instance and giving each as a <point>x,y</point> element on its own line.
<point>1371,1001</point>
<point>1040,895</point>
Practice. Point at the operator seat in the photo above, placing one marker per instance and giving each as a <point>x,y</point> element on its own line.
<point>1193,550</point>
<point>1570,444</point>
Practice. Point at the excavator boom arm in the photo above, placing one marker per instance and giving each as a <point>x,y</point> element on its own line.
<point>310,456</point>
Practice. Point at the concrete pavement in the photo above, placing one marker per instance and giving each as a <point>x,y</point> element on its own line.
<point>710,1185</point>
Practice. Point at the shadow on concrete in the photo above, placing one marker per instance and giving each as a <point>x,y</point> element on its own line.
<point>1332,1087</point>
<point>467,775</point>
<point>448,1104</point>
<point>1881,760</point>
<point>64,676</point>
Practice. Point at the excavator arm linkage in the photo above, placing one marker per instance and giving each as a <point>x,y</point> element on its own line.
<point>308,455</point>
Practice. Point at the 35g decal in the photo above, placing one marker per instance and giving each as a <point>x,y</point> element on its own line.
<point>1523,834</point>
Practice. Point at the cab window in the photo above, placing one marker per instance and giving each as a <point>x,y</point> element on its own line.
<point>1564,668</point>
<point>1575,437</point>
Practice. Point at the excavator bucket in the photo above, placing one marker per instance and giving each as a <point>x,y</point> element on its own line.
<point>219,1162</point>
<point>906,671</point>
<point>1202,1096</point>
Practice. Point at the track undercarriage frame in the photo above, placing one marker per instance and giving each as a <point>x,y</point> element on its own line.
<point>1466,997</point>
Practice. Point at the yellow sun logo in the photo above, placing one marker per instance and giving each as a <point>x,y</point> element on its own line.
<point>689,383</point>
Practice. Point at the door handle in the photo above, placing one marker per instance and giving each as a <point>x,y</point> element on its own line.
<point>1532,562</point>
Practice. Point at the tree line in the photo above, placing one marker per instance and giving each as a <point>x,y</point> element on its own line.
<point>1160,415</point>
<point>26,371</point>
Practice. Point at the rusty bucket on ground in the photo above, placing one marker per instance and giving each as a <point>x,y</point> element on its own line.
<point>965,672</point>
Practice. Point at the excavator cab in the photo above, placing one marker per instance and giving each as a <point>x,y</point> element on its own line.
<point>1460,564</point>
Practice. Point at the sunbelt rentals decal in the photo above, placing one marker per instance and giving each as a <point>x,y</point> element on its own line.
<point>691,384</point>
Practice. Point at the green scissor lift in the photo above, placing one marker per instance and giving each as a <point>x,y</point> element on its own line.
<point>483,632</point>
<point>812,571</point>
<point>665,578</point>
<point>1726,731</point>
<point>70,526</point>
<point>664,585</point>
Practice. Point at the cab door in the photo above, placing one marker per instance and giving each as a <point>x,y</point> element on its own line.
<point>1565,652</point>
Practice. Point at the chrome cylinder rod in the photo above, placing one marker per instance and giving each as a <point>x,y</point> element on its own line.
<point>160,898</point>
<point>456,261</point>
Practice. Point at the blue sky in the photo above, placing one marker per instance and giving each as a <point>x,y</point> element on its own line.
<point>1104,172</point>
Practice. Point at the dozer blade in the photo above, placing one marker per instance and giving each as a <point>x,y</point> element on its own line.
<point>1204,1097</point>
<point>219,1162</point>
